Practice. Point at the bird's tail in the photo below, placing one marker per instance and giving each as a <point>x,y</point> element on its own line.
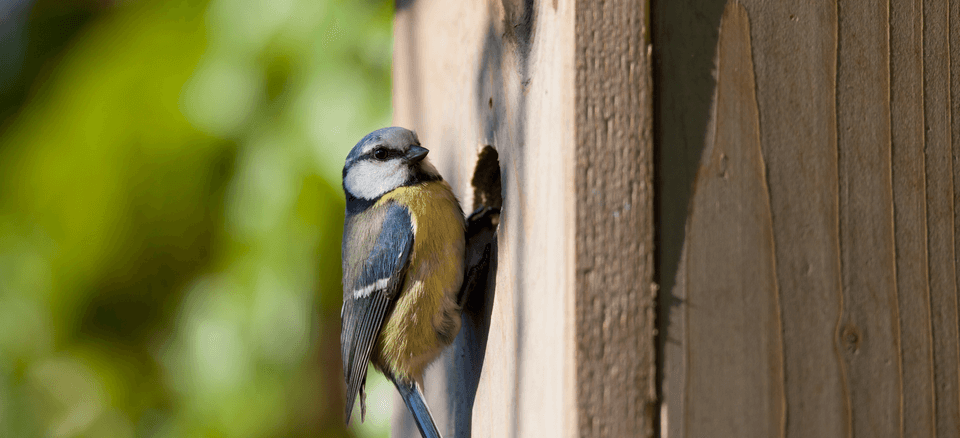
<point>418,407</point>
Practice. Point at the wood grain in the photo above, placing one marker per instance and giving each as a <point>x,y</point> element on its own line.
<point>953,24</point>
<point>858,132</point>
<point>817,293</point>
<point>918,412</point>
<point>561,89</point>
<point>734,344</point>
<point>795,60</point>
<point>867,334</point>
<point>940,215</point>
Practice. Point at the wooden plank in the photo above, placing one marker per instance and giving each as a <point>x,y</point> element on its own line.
<point>867,335</point>
<point>940,214</point>
<point>858,131</point>
<point>615,296</point>
<point>954,32</point>
<point>501,73</point>
<point>685,36</point>
<point>953,22</point>
<point>730,269</point>
<point>910,217</point>
<point>685,45</point>
<point>795,55</point>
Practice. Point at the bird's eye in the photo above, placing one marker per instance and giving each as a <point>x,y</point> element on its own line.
<point>380,153</point>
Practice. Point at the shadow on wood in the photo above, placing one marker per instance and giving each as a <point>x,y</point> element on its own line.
<point>478,290</point>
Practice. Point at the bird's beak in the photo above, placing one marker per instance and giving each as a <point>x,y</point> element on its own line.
<point>416,154</point>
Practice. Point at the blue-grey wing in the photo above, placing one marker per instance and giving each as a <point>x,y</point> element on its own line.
<point>376,283</point>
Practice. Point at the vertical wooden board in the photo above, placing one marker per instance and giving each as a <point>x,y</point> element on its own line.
<point>684,34</point>
<point>501,73</point>
<point>867,336</point>
<point>616,394</point>
<point>858,128</point>
<point>795,55</point>
<point>674,348</point>
<point>909,186</point>
<point>954,33</point>
<point>940,214</point>
<point>734,345</point>
<point>543,195</point>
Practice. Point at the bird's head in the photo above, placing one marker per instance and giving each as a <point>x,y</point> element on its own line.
<point>384,160</point>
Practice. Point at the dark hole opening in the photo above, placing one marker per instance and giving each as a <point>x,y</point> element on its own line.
<point>486,180</point>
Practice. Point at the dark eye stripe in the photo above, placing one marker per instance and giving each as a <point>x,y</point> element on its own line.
<point>383,154</point>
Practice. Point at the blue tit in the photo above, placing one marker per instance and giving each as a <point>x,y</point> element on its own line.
<point>403,251</point>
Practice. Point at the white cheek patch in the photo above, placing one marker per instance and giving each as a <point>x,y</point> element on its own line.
<point>366,291</point>
<point>371,179</point>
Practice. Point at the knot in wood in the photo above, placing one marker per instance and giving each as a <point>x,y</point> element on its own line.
<point>850,336</point>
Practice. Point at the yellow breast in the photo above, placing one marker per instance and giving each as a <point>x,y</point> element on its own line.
<point>426,317</point>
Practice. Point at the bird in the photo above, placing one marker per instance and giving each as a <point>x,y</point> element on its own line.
<point>403,265</point>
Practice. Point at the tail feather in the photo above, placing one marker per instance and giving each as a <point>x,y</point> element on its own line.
<point>418,407</point>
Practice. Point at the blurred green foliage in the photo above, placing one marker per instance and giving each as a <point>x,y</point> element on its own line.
<point>171,212</point>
